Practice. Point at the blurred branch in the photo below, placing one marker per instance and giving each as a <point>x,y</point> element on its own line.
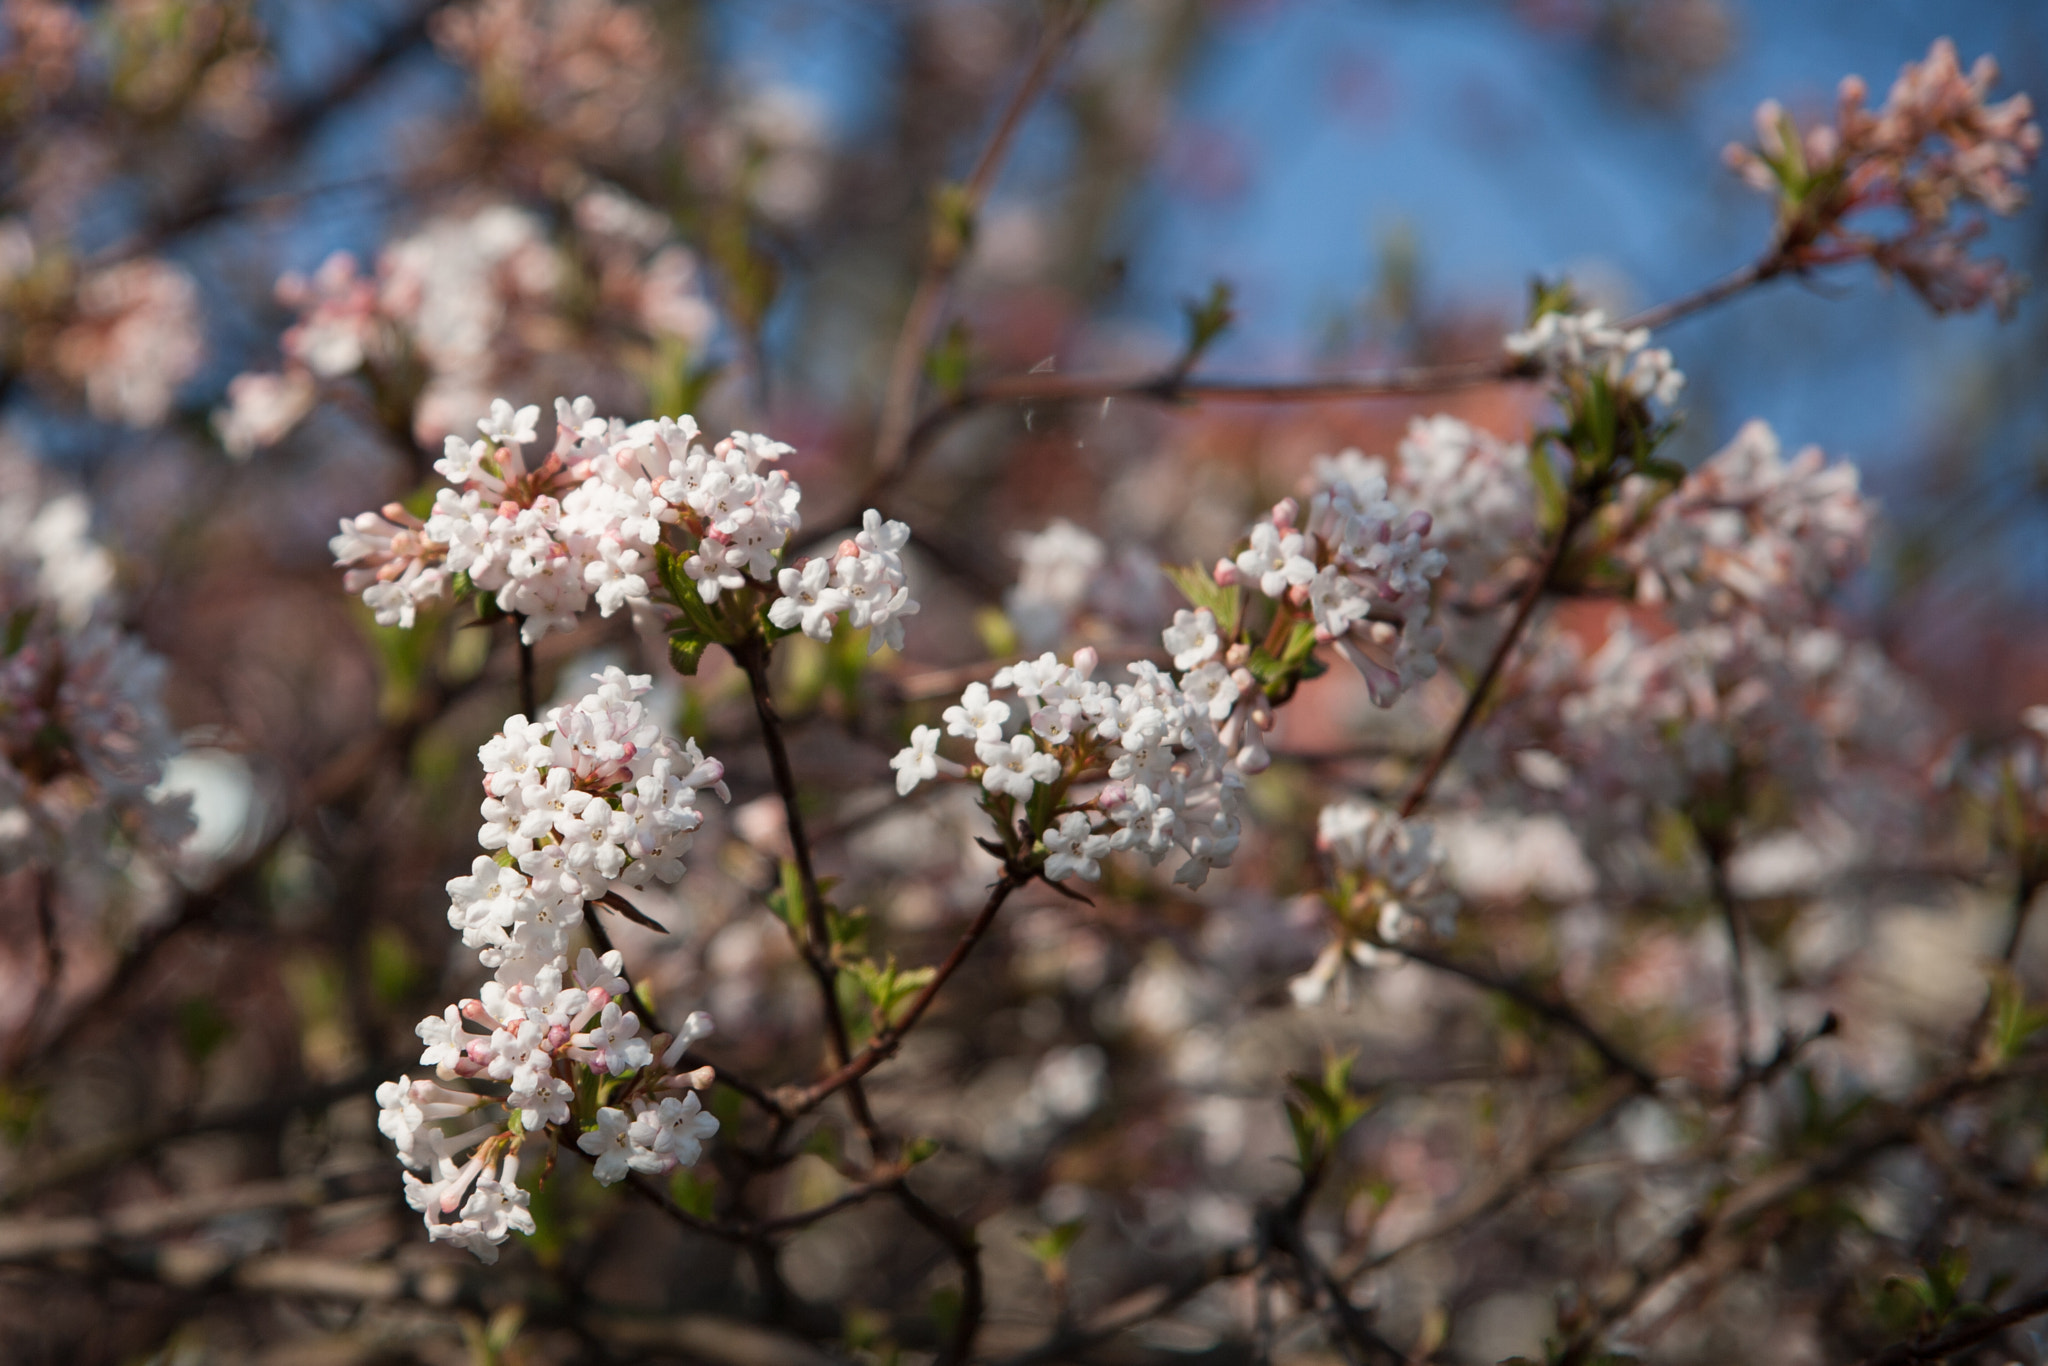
<point>1957,1340</point>
<point>81,1160</point>
<point>886,1041</point>
<point>1503,1191</point>
<point>1576,510</point>
<point>294,127</point>
<point>29,1240</point>
<point>1771,1190</point>
<point>951,236</point>
<point>1533,1000</point>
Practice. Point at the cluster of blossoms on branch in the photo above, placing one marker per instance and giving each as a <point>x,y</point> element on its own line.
<point>1570,347</point>
<point>83,734</point>
<point>1936,144</point>
<point>1387,888</point>
<point>1093,767</point>
<point>546,537</point>
<point>472,303</point>
<point>1157,764</point>
<point>127,335</point>
<point>1746,531</point>
<point>584,800</point>
<point>1354,574</point>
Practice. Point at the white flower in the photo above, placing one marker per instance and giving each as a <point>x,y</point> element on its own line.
<point>504,427</point>
<point>616,1043</point>
<point>674,1131</point>
<point>1192,638</point>
<point>808,601</point>
<point>979,716</point>
<point>918,761</point>
<point>1275,560</point>
<point>1073,849</point>
<point>1015,768</point>
<point>609,1145</point>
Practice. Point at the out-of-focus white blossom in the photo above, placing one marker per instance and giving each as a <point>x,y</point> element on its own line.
<point>1361,566</point>
<point>1566,344</point>
<point>83,734</point>
<point>1750,531</point>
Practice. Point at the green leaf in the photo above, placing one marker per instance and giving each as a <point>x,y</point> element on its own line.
<point>919,1149</point>
<point>2013,1021</point>
<point>393,968</point>
<point>686,652</point>
<point>1200,588</point>
<point>787,901</point>
<point>692,1193</point>
<point>17,629</point>
<point>1208,319</point>
<point>202,1028</point>
<point>1550,490</point>
<point>950,362</point>
<point>1050,1247</point>
<point>1322,1110</point>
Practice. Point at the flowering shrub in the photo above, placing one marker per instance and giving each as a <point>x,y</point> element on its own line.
<point>1472,879</point>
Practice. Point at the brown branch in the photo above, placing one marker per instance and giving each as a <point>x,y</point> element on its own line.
<point>966,1252</point>
<point>1533,1000</point>
<point>1501,1192</point>
<point>1770,1191</point>
<point>1959,1339</point>
<point>1553,560</point>
<point>296,125</point>
<point>1714,845</point>
<point>886,1041</point>
<point>816,941</point>
<point>1141,1307</point>
<point>32,1239</point>
<point>949,248</point>
<point>1770,266</point>
<point>81,1161</point>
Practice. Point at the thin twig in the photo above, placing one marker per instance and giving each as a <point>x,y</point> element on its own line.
<point>949,248</point>
<point>816,942</point>
<point>1536,1002</point>
<point>1969,1335</point>
<point>529,701</point>
<point>1715,846</point>
<point>886,1041</point>
<point>1553,560</point>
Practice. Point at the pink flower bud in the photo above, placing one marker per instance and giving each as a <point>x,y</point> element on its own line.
<point>1284,513</point>
<point>1226,573</point>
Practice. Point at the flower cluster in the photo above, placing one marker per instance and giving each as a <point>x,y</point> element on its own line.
<point>1570,344</point>
<point>462,308</point>
<point>127,335</point>
<point>1934,145</point>
<point>548,536</point>
<point>584,72</point>
<point>589,797</point>
<point>1748,530</point>
<point>862,579</point>
<point>1479,492</point>
<point>1358,567</point>
<point>83,735</point>
<point>1389,889</point>
<point>1706,720</point>
<point>1154,764</point>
